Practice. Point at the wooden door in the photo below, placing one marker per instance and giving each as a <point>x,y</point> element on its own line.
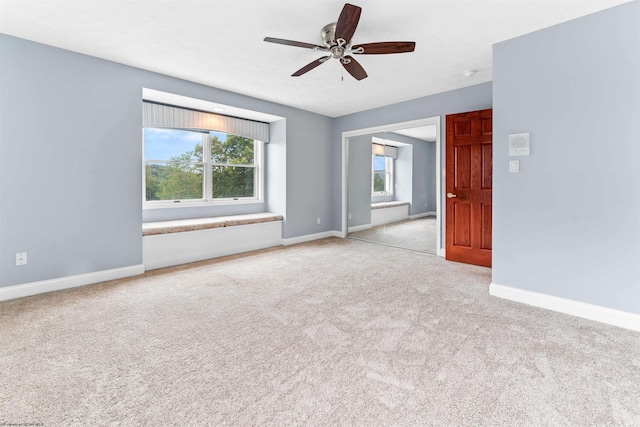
<point>469,168</point>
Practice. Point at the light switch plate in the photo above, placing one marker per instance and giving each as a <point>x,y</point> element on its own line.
<point>514,166</point>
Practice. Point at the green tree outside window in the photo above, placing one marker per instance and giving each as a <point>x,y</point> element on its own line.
<point>181,177</point>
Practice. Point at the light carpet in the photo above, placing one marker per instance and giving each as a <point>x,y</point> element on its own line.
<point>414,234</point>
<point>333,332</point>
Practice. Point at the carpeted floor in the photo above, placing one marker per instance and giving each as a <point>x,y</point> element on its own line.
<point>333,332</point>
<point>414,234</point>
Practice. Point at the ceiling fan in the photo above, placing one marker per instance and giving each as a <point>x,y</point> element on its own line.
<point>336,38</point>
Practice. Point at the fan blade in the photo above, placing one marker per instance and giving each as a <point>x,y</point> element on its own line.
<point>294,43</point>
<point>354,68</point>
<point>310,66</point>
<point>384,48</point>
<point>347,22</point>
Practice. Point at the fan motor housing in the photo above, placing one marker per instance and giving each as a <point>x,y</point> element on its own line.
<point>328,34</point>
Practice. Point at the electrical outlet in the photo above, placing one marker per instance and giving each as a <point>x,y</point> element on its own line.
<point>21,258</point>
<point>318,220</point>
<point>349,216</point>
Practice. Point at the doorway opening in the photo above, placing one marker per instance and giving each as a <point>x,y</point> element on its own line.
<point>395,135</point>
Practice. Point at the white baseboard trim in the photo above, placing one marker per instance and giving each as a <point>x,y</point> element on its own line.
<point>442,252</point>
<point>422,215</point>
<point>597,313</point>
<point>34,288</point>
<point>311,237</point>
<point>357,228</point>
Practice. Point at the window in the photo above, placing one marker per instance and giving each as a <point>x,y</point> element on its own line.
<point>198,166</point>
<point>382,175</point>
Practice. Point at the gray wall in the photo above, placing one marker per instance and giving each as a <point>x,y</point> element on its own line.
<point>403,171</point>
<point>424,184</point>
<point>70,164</point>
<point>309,182</point>
<point>359,181</point>
<point>276,168</point>
<point>70,131</point>
<point>471,98</point>
<point>423,173</point>
<point>568,224</point>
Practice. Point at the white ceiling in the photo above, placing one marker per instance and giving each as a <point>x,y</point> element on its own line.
<point>219,42</point>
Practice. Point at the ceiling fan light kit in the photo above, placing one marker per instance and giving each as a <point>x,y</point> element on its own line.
<point>336,39</point>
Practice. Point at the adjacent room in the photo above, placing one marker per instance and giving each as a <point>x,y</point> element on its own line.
<point>392,188</point>
<point>320,213</point>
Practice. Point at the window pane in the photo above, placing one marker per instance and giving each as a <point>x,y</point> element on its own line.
<point>167,181</point>
<point>379,163</point>
<point>231,149</point>
<point>232,182</point>
<point>379,181</point>
<point>172,144</point>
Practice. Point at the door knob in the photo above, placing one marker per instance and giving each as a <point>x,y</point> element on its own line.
<point>451,195</point>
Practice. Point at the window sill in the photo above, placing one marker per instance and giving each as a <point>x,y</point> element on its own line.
<point>179,226</point>
<point>385,205</point>
<point>186,204</point>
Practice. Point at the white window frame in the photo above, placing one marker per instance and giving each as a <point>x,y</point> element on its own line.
<point>389,176</point>
<point>207,199</point>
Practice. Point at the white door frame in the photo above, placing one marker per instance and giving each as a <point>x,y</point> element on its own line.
<point>436,120</point>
